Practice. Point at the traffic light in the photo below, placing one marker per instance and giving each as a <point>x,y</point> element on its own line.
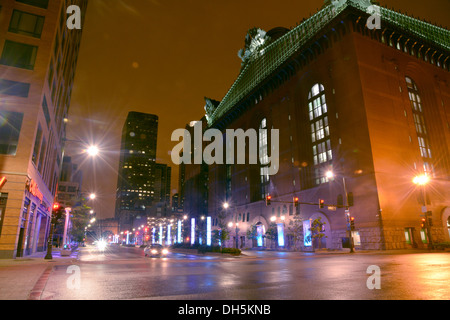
<point>423,223</point>
<point>321,203</point>
<point>57,212</point>
<point>2,182</point>
<point>296,202</point>
<point>352,223</point>
<point>268,199</point>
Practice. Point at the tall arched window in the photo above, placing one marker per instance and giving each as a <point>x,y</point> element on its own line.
<point>421,128</point>
<point>264,157</point>
<point>320,132</point>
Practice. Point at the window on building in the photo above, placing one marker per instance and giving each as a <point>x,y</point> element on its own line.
<point>46,112</point>
<point>320,132</point>
<point>10,125</point>
<point>14,88</point>
<point>37,145</point>
<point>26,23</point>
<point>20,55</point>
<point>3,199</point>
<point>42,155</point>
<point>36,3</point>
<point>420,125</point>
<point>264,158</point>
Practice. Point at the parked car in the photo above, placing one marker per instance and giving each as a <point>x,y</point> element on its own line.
<point>155,250</point>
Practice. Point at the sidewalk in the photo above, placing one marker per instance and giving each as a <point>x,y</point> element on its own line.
<point>281,253</point>
<point>39,257</point>
<point>22,278</point>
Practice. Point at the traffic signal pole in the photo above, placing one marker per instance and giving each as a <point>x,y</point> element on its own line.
<point>348,217</point>
<point>49,255</point>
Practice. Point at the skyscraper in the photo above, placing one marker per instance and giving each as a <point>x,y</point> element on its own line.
<point>38,60</point>
<point>163,174</point>
<point>135,184</point>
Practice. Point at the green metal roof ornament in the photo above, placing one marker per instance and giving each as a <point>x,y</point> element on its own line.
<point>272,54</point>
<point>255,40</point>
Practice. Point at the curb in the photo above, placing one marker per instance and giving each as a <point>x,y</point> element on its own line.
<point>39,287</point>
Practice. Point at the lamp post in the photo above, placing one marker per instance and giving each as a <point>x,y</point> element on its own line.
<point>330,175</point>
<point>66,225</point>
<point>422,181</point>
<point>91,151</point>
<point>226,206</point>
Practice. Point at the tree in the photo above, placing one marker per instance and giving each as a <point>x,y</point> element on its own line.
<point>252,232</point>
<point>317,230</point>
<point>272,232</point>
<point>295,230</point>
<point>80,219</point>
<point>221,234</point>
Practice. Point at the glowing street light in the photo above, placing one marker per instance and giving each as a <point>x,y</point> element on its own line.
<point>421,180</point>
<point>92,196</point>
<point>92,151</point>
<point>226,205</point>
<point>329,174</point>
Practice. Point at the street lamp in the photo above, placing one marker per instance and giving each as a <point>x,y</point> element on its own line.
<point>330,175</point>
<point>92,196</point>
<point>92,151</point>
<point>422,181</point>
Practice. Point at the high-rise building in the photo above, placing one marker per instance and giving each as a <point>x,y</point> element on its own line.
<point>136,180</point>
<point>37,68</point>
<point>362,113</point>
<point>162,190</point>
<point>69,186</point>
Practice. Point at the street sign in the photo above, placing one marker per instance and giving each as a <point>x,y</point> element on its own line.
<point>331,208</point>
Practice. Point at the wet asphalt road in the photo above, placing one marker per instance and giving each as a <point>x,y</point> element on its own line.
<point>124,273</point>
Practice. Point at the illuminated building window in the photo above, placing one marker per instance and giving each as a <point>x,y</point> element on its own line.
<point>264,157</point>
<point>320,131</point>
<point>421,128</point>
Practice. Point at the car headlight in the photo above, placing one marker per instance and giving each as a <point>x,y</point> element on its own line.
<point>165,251</point>
<point>154,251</point>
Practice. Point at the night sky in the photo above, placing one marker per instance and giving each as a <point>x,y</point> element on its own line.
<point>163,57</point>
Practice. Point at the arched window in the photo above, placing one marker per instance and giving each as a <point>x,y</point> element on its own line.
<point>421,128</point>
<point>320,132</point>
<point>264,158</point>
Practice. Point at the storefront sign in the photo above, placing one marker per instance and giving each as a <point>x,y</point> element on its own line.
<point>2,182</point>
<point>32,187</point>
